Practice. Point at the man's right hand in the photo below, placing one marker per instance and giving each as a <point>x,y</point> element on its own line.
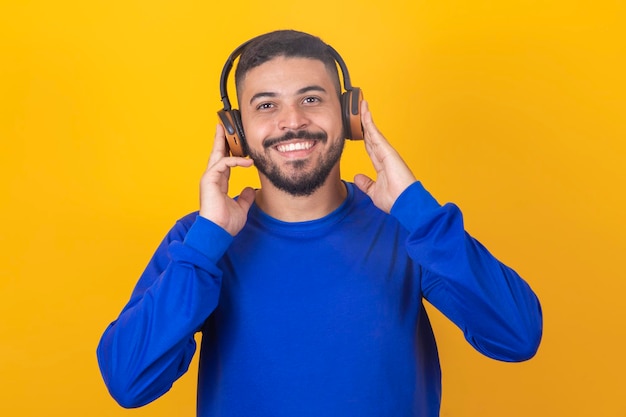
<point>215,204</point>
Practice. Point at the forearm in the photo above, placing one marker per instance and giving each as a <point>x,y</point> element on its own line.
<point>151,343</point>
<point>497,311</point>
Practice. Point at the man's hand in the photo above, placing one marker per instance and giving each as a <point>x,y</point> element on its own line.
<point>393,176</point>
<point>215,204</point>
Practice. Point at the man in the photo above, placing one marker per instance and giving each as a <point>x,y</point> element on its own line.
<point>308,292</point>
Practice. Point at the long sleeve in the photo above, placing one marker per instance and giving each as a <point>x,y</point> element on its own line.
<point>497,311</point>
<point>151,343</point>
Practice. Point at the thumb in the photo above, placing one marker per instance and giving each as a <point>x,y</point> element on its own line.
<point>364,183</point>
<point>246,198</point>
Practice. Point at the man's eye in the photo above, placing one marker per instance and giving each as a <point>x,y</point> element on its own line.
<point>311,100</point>
<point>264,106</point>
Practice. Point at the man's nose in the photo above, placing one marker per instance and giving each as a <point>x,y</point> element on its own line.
<point>293,117</point>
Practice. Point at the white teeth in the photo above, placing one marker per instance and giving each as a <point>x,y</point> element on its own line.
<point>298,146</point>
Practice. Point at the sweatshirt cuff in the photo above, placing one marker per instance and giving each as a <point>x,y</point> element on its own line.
<point>413,205</point>
<point>208,238</point>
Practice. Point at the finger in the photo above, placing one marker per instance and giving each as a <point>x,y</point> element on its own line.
<point>372,137</point>
<point>218,174</point>
<point>370,130</point>
<point>364,183</point>
<point>219,145</point>
<point>224,164</point>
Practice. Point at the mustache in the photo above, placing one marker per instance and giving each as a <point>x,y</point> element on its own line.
<point>300,134</point>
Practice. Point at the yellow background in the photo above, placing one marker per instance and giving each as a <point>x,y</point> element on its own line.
<point>515,110</point>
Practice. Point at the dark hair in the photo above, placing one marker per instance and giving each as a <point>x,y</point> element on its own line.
<point>288,44</point>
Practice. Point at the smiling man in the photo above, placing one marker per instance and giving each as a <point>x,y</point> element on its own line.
<point>309,291</point>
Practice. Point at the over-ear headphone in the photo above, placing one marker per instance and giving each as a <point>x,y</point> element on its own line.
<point>231,118</point>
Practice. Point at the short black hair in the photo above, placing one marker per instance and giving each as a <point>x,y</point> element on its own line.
<point>288,44</point>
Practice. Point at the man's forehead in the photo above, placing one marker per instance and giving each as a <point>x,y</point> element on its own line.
<point>282,64</point>
<point>301,72</point>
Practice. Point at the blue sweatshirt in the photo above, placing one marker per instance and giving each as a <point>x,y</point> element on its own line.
<point>316,318</point>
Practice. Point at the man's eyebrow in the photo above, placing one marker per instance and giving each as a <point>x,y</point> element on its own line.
<point>303,90</point>
<point>311,88</point>
<point>262,94</point>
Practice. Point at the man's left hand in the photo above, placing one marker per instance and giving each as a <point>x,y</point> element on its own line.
<point>393,175</point>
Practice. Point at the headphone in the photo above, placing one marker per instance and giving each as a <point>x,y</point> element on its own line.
<point>231,118</point>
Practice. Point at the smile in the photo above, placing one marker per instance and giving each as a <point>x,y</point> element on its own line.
<point>295,146</point>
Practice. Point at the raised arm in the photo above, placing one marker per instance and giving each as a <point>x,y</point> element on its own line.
<point>497,311</point>
<point>151,343</point>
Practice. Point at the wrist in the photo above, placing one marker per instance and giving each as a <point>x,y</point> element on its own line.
<point>208,238</point>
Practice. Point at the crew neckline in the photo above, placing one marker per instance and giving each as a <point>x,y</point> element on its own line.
<point>308,226</point>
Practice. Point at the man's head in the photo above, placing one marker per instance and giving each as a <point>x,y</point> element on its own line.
<point>290,103</point>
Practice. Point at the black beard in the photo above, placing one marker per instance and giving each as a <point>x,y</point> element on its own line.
<point>301,183</point>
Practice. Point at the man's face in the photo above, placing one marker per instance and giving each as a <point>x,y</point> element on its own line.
<point>291,115</point>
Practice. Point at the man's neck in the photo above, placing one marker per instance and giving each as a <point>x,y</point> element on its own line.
<point>286,207</point>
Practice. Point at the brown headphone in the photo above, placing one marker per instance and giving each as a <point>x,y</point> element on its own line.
<point>231,118</point>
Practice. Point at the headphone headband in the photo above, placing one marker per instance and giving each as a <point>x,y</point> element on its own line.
<point>347,85</point>
<point>226,70</point>
<point>344,69</point>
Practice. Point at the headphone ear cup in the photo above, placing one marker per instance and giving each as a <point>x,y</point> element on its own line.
<point>351,113</point>
<point>233,128</point>
<point>240,132</point>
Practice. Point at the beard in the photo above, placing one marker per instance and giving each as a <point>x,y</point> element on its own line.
<point>301,182</point>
